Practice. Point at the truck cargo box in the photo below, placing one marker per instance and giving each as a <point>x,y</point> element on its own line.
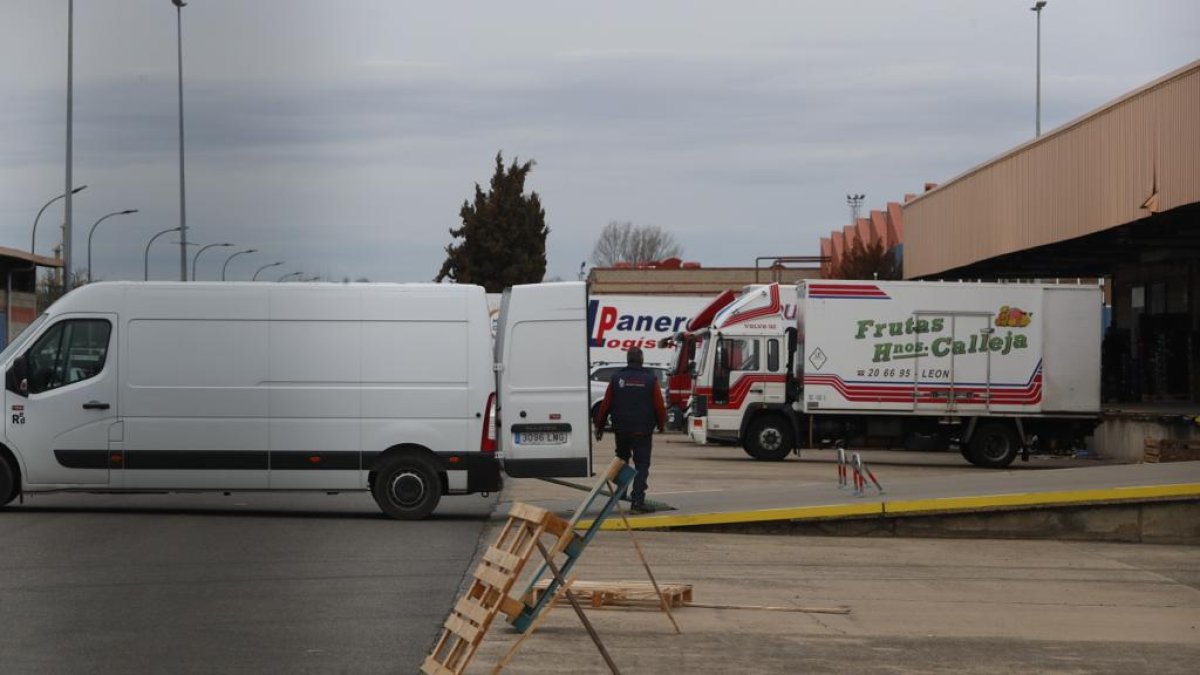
<point>949,348</point>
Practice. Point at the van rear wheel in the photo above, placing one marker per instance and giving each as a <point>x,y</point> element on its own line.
<point>8,483</point>
<point>407,488</point>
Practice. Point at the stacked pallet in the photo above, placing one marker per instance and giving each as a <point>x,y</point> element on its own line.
<point>1171,450</point>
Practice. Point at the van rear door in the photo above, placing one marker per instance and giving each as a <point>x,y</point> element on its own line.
<point>542,381</point>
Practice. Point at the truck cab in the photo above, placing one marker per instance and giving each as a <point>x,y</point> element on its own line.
<point>741,390</point>
<point>679,373</point>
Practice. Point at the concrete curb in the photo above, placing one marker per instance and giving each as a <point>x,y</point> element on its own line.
<point>918,507</point>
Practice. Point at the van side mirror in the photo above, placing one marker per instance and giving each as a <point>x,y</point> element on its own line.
<point>16,379</point>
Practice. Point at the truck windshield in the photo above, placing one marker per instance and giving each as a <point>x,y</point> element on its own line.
<point>18,342</point>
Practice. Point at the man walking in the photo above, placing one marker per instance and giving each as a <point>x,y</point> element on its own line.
<point>635,402</point>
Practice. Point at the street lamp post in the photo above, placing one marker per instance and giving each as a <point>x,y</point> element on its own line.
<point>202,250</point>
<point>179,5</point>
<point>146,258</point>
<point>289,275</point>
<point>33,241</point>
<point>855,202</point>
<point>274,264</point>
<point>226,265</point>
<point>1037,9</point>
<point>93,231</point>
<point>32,265</point>
<point>68,192</point>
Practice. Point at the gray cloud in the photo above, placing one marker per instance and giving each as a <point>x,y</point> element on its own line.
<point>344,140</point>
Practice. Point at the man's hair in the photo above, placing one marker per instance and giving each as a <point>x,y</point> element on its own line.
<point>634,357</point>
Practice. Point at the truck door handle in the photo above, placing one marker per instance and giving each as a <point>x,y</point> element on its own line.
<point>95,405</point>
<point>756,390</point>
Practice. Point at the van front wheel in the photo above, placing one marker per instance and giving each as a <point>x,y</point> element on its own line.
<point>8,483</point>
<point>407,488</point>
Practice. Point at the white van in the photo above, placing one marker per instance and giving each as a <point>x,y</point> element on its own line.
<point>329,387</point>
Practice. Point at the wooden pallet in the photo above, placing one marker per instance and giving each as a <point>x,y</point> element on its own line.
<point>488,595</point>
<point>1171,450</point>
<point>623,593</point>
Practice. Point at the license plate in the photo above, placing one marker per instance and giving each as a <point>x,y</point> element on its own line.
<point>541,438</point>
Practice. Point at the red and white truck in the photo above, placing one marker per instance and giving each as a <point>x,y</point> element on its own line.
<point>992,368</point>
<point>679,374</point>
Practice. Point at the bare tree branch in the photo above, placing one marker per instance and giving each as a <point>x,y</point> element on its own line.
<point>626,242</point>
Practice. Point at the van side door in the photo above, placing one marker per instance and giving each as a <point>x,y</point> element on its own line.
<point>59,411</point>
<point>542,381</point>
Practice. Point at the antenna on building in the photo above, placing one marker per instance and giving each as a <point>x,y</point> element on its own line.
<point>855,202</point>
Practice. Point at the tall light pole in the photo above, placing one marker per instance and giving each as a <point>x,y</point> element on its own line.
<point>67,191</point>
<point>202,250</point>
<point>146,259</point>
<point>256,273</point>
<point>290,275</point>
<point>1037,9</point>
<point>226,265</point>
<point>179,5</point>
<point>93,231</point>
<point>855,201</point>
<point>33,241</point>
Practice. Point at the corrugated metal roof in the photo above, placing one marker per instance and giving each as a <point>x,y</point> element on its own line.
<point>1091,174</point>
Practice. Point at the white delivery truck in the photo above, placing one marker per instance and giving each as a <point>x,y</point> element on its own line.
<point>331,387</point>
<point>990,367</point>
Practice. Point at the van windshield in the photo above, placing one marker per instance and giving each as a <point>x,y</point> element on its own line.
<point>18,342</point>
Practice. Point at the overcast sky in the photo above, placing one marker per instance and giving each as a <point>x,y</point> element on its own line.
<point>342,137</point>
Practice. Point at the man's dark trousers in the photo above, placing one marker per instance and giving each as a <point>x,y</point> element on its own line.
<point>637,445</point>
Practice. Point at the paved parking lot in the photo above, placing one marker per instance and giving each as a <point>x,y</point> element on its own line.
<point>917,605</point>
<point>203,583</point>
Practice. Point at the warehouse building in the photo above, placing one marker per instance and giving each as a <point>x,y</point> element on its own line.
<point>1114,194</point>
<point>675,277</point>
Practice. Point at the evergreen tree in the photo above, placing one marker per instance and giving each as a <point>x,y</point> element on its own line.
<point>503,234</point>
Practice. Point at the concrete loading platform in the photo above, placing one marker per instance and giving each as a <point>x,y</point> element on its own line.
<point>1132,502</point>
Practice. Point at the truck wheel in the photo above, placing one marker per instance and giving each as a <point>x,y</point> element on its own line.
<point>407,488</point>
<point>966,454</point>
<point>994,445</point>
<point>769,439</point>
<point>8,483</point>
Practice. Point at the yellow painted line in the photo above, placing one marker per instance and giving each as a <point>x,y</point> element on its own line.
<point>1058,498</point>
<point>754,516</point>
<point>892,508</point>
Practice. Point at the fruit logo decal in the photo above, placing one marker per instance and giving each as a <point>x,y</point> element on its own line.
<point>1012,317</point>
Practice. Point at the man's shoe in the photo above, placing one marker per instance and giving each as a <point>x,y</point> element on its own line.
<point>642,507</point>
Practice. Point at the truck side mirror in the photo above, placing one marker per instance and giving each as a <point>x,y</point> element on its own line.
<point>16,379</point>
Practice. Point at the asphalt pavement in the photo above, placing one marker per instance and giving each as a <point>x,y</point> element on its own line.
<point>973,606</point>
<point>246,583</point>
